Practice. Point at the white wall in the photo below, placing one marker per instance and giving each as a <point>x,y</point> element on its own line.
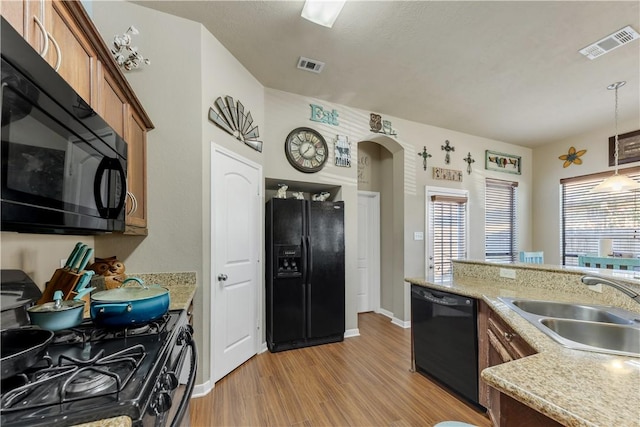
<point>549,172</point>
<point>189,69</point>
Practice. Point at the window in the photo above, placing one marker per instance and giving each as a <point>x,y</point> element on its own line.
<point>588,217</point>
<point>500,221</point>
<point>446,225</point>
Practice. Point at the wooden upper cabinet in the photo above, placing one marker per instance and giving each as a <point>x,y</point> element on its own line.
<point>112,104</point>
<point>28,19</point>
<point>63,33</point>
<point>70,50</point>
<point>136,137</point>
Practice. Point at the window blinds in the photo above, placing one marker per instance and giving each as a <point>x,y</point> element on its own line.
<point>448,224</point>
<point>500,221</point>
<point>588,217</point>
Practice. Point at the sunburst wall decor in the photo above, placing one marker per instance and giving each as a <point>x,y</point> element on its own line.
<point>572,157</point>
<point>231,118</point>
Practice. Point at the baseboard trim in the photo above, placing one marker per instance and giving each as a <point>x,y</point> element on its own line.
<point>350,333</point>
<point>405,324</point>
<point>402,323</point>
<point>201,390</point>
<point>384,312</point>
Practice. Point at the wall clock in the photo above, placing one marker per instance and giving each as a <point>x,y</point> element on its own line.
<point>306,150</point>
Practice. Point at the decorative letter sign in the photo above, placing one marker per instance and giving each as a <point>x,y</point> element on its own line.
<point>319,115</point>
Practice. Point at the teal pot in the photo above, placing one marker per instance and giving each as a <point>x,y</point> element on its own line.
<point>129,306</point>
<point>57,315</point>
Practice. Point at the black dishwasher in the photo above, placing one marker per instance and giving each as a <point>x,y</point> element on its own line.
<point>445,339</point>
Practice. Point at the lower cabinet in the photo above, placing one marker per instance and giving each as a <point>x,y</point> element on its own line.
<point>499,343</point>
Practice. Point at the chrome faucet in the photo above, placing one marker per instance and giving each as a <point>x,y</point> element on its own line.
<point>591,281</point>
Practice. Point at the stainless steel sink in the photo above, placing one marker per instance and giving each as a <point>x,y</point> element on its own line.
<point>597,328</point>
<point>624,340</point>
<point>571,311</point>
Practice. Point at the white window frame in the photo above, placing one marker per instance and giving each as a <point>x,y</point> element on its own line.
<point>440,191</point>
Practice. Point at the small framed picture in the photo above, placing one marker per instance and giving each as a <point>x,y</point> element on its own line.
<point>502,162</point>
<point>628,148</point>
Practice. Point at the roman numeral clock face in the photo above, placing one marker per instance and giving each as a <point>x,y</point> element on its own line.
<point>306,150</point>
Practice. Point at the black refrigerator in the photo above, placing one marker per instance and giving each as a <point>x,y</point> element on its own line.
<point>304,273</point>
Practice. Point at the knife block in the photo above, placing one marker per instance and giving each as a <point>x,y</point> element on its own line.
<point>62,280</point>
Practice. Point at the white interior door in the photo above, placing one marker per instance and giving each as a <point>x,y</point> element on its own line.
<point>235,243</point>
<point>368,251</point>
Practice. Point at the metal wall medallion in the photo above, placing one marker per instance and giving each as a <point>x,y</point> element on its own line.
<point>469,160</point>
<point>424,156</point>
<point>448,148</point>
<point>231,118</point>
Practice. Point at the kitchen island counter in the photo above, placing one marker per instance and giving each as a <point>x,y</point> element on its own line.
<point>575,388</point>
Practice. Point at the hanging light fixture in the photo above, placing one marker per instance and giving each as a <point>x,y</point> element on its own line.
<point>616,182</point>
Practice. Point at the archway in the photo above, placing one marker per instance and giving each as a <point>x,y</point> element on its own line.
<point>387,177</point>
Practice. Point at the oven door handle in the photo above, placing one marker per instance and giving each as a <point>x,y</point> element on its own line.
<point>184,403</point>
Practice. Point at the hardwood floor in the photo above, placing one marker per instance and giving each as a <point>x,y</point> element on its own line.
<point>363,381</point>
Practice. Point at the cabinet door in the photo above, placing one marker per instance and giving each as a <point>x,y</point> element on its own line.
<point>74,53</point>
<point>22,16</point>
<point>136,173</point>
<point>112,104</point>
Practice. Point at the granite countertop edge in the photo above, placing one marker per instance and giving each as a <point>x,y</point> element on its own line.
<point>182,286</point>
<point>573,387</point>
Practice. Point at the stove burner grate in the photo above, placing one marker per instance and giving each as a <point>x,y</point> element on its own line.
<point>75,379</point>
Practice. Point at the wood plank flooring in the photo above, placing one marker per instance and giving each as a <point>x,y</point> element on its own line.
<point>363,381</point>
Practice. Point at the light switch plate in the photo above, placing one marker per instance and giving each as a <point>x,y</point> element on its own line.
<point>507,273</point>
<point>418,235</point>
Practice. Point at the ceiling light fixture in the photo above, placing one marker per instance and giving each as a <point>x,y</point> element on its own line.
<point>616,183</point>
<point>322,12</point>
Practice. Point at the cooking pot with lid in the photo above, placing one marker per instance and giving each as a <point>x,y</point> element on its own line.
<point>129,306</point>
<point>57,315</point>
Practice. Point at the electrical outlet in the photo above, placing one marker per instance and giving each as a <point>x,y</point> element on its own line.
<point>596,288</point>
<point>62,262</point>
<point>418,235</point>
<point>507,273</point>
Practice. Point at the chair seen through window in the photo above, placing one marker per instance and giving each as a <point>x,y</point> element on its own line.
<point>532,257</point>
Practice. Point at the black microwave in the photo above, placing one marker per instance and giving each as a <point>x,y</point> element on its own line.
<point>63,167</point>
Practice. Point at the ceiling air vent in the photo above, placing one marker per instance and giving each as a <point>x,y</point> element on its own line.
<point>609,43</point>
<point>310,65</point>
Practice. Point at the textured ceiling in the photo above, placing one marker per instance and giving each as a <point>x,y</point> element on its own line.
<point>506,70</point>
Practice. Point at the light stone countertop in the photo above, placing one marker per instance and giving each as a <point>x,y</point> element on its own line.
<point>182,286</point>
<point>573,387</point>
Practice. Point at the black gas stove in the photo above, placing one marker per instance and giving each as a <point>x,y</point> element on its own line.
<point>90,373</point>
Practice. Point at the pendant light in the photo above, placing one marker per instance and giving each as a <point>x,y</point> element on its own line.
<point>616,183</point>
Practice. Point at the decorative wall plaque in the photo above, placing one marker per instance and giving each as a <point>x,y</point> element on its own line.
<point>572,156</point>
<point>502,162</point>
<point>343,151</point>
<point>318,114</point>
<point>447,174</point>
<point>628,148</point>
<point>378,125</point>
<point>231,118</point>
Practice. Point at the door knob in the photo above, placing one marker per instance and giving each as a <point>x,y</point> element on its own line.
<point>222,277</point>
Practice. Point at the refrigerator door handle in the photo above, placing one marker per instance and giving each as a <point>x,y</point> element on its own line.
<point>305,263</point>
<point>309,260</point>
